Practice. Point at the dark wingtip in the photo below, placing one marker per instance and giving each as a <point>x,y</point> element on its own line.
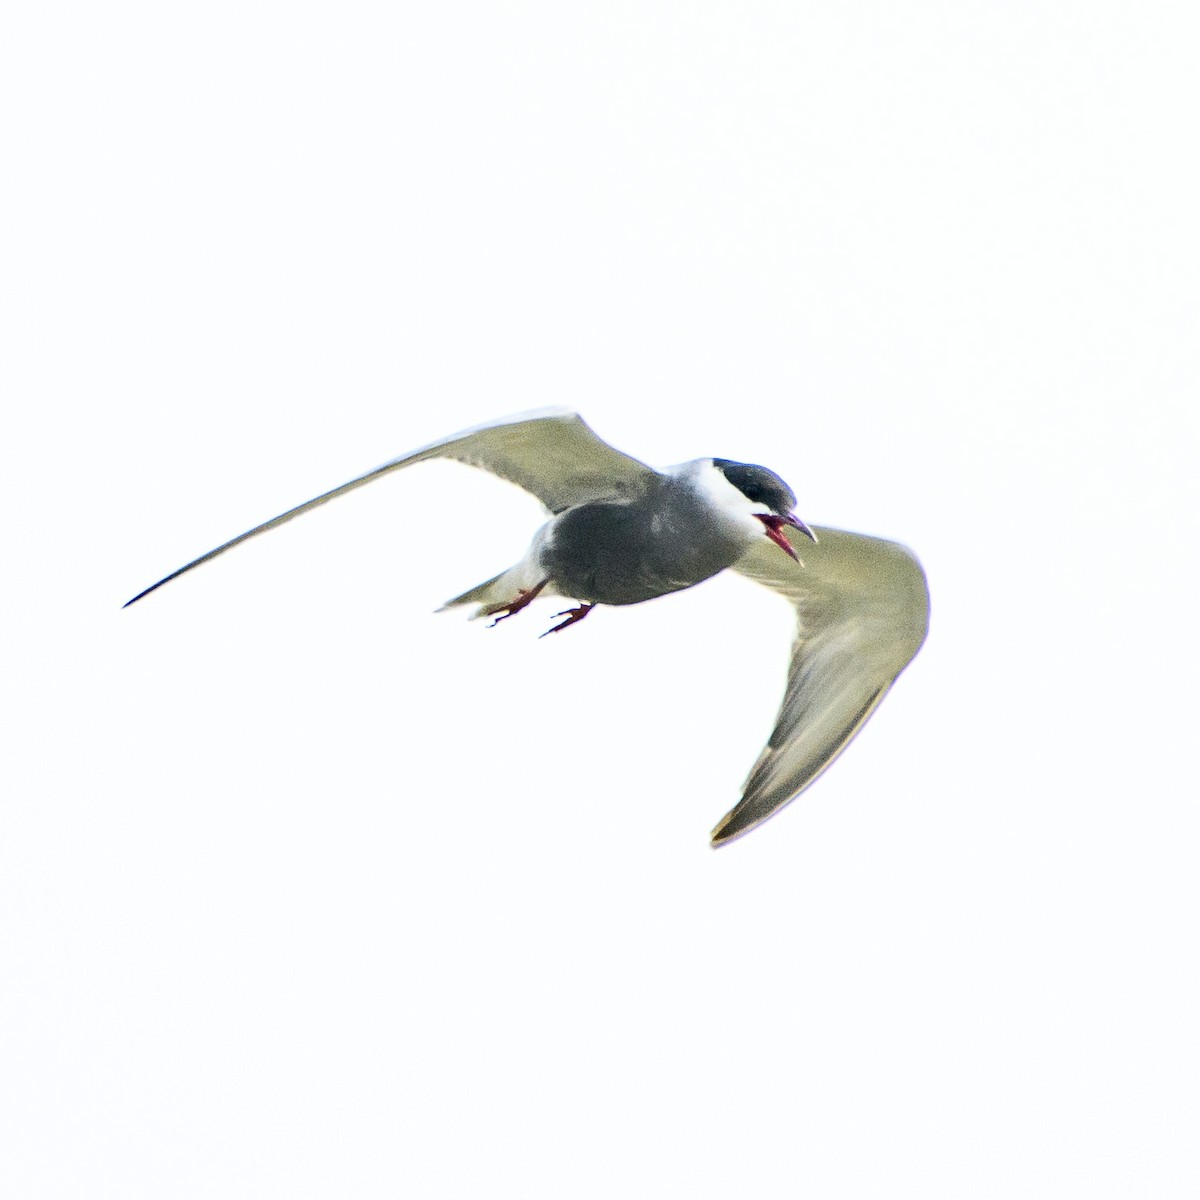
<point>150,589</point>
<point>732,826</point>
<point>719,837</point>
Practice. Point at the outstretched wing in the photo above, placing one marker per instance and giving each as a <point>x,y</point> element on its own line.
<point>862,610</point>
<point>551,453</point>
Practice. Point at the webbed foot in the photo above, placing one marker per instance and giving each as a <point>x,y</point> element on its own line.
<point>572,615</point>
<point>503,611</point>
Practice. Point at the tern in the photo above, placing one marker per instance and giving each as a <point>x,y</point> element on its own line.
<point>621,532</point>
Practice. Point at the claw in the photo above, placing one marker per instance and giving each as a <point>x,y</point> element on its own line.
<point>572,615</point>
<point>524,596</point>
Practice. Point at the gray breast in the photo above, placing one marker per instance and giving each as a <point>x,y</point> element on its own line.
<point>612,552</point>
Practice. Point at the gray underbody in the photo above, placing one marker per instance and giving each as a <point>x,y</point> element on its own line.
<point>624,552</point>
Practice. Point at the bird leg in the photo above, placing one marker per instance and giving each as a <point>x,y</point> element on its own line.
<point>572,615</point>
<point>503,611</point>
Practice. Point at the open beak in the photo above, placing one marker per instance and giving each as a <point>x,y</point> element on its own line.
<point>795,522</point>
<point>774,527</point>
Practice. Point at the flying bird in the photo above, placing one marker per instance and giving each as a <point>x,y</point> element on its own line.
<point>621,532</point>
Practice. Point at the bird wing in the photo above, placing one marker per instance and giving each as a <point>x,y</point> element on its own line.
<point>551,453</point>
<point>862,610</point>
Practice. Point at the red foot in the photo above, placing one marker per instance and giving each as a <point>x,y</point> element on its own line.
<point>572,615</point>
<point>524,596</point>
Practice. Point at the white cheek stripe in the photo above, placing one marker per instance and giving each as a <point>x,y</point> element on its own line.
<point>713,485</point>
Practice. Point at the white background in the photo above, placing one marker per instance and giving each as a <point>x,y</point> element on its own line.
<point>305,891</point>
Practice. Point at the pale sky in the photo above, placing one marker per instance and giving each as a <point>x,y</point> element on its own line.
<point>307,892</point>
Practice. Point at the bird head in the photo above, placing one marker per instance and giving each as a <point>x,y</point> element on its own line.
<point>770,500</point>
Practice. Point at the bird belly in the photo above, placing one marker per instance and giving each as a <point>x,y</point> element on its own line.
<point>621,553</point>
